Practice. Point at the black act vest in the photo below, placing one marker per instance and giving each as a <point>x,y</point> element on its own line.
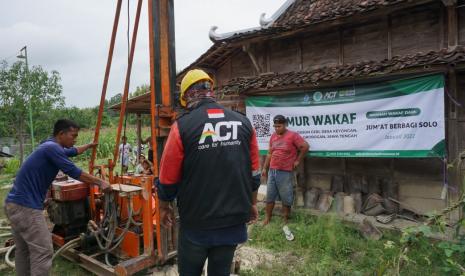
<point>216,186</point>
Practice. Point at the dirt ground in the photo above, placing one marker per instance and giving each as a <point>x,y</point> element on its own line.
<point>246,258</point>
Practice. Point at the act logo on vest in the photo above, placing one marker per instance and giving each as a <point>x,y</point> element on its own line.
<point>221,134</point>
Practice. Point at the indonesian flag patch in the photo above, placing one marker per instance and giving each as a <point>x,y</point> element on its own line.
<point>215,113</point>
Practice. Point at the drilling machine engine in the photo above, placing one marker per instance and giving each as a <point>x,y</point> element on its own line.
<point>68,209</point>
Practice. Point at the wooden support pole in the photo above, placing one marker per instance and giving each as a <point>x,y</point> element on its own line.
<point>453,174</point>
<point>341,46</point>
<point>389,37</point>
<point>139,136</point>
<point>442,27</point>
<point>247,49</point>
<point>268,58</point>
<point>452,23</point>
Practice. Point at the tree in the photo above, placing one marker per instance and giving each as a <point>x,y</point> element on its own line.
<point>18,86</point>
<point>140,90</point>
<point>116,99</point>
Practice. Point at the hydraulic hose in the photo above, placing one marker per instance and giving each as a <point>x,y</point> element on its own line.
<point>7,256</point>
<point>105,232</point>
<point>65,247</point>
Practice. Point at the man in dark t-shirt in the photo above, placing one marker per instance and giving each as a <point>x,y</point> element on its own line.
<point>24,204</point>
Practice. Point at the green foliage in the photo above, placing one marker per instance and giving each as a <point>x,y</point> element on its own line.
<point>327,246</point>
<point>24,90</point>
<point>19,86</point>
<point>449,254</point>
<point>5,179</point>
<point>116,99</point>
<point>107,140</point>
<point>11,166</point>
<point>140,90</point>
<point>454,256</point>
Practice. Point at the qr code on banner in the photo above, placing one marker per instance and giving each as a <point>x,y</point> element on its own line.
<point>261,123</point>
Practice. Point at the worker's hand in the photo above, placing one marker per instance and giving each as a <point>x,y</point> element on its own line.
<point>265,173</point>
<point>91,145</point>
<point>296,164</point>
<point>105,186</point>
<point>47,202</point>
<point>253,214</point>
<point>166,216</point>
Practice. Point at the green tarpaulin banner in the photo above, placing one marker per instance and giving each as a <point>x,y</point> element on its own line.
<point>401,118</point>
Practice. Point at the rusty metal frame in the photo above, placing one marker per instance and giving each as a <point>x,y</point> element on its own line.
<point>162,85</point>
<point>162,82</point>
<point>102,97</point>
<point>127,81</point>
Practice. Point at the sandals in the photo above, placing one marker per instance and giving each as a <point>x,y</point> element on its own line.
<point>287,233</point>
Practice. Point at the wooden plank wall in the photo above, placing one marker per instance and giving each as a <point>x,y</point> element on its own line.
<point>461,25</point>
<point>419,29</point>
<point>416,30</point>
<point>365,42</point>
<point>284,55</point>
<point>321,51</point>
<point>241,66</point>
<point>223,74</point>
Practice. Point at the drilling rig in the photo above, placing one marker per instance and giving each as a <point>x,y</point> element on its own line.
<point>119,233</point>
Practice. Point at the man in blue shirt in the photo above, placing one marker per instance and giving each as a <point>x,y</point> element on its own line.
<point>24,204</point>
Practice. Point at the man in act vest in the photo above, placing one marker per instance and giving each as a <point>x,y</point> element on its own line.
<point>210,164</point>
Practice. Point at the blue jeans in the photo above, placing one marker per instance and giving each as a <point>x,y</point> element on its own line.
<point>192,257</point>
<point>280,187</point>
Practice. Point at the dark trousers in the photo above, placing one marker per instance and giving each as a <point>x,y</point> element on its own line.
<point>150,155</point>
<point>192,257</point>
<point>33,240</point>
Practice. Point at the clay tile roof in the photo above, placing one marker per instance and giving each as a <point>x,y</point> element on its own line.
<point>347,72</point>
<point>299,15</point>
<point>305,12</point>
<point>214,57</point>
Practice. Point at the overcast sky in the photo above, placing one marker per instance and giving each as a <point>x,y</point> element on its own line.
<point>73,37</point>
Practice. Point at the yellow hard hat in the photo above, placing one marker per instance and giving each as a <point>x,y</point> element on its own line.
<point>192,77</point>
